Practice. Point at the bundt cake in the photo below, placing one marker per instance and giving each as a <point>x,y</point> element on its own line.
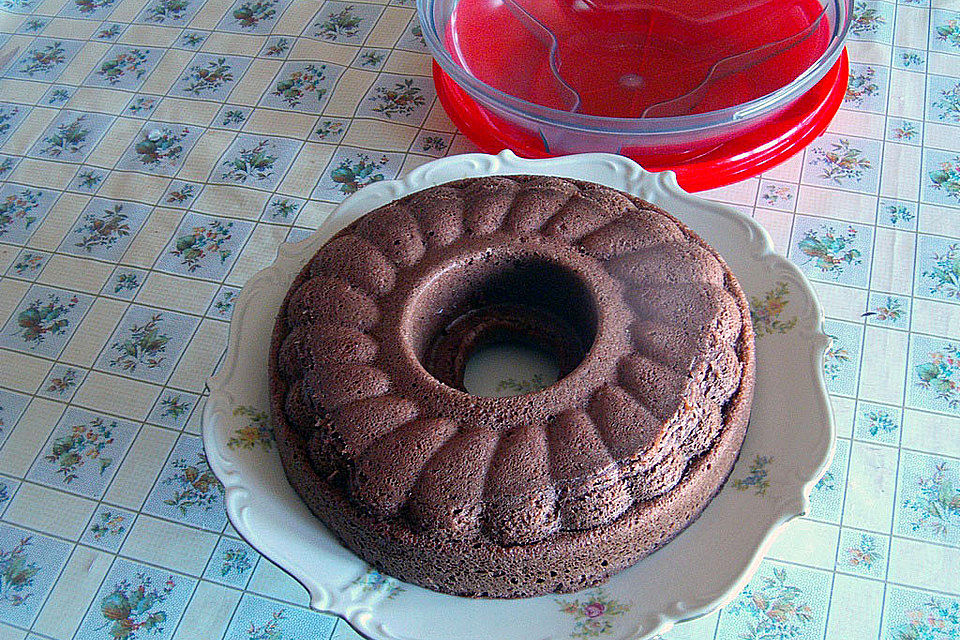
<point>550,491</point>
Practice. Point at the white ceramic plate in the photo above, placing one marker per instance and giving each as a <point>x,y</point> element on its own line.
<point>788,445</point>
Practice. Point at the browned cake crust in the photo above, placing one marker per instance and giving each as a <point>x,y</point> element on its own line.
<point>545,492</point>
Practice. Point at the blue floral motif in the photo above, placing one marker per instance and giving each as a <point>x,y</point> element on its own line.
<point>88,180</point>
<point>907,131</point>
<point>126,281</point>
<point>829,249</point>
<point>935,502</point>
<point>72,136</point>
<point>398,98</point>
<point>180,193</point>
<point>276,48</point>
<point>879,421</point>
<point>110,32</point>
<point>236,560</point>
<point>18,6</point>
<point>939,374</point>
<point>888,311</point>
<point>42,59</point>
<point>223,303</point>
<point>29,565</point>
<point>942,169</point>
<point>936,618</point>
<point>836,357</point>
<point>19,209</point>
<point>187,490</point>
<point>909,59</point>
<point>869,20</point>
<point>124,67</point>
<point>142,105</point>
<point>257,618</point>
<point>159,149</point>
<point>90,8</point>
<point>169,12</point>
<point>62,383</point>
<point>28,264</point>
<point>45,317</point>
<point>864,88</point>
<point>844,161</point>
<point>192,40</point>
<point>109,524</point>
<point>773,608</point>
<point>942,272</point>
<point>33,25</point>
<point>282,209</point>
<point>897,214</point>
<point>136,602</point>
<point>344,22</point>
<point>253,16</point>
<point>255,161</point>
<point>11,115</point>
<point>862,553</point>
<point>757,477</point>
<point>233,117</point>
<point>7,163</point>
<point>351,176</point>
<point>947,31</point>
<point>211,77</point>
<point>17,571</point>
<point>330,129</point>
<point>372,581</point>
<point>232,563</point>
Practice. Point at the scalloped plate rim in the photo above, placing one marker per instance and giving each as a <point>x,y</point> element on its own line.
<point>638,180</point>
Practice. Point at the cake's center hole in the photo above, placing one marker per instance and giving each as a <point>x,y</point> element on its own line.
<point>509,369</point>
<point>503,326</point>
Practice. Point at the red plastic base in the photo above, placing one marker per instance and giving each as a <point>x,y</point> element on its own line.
<point>736,159</point>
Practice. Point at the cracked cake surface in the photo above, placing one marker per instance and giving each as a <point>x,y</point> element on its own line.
<point>550,491</point>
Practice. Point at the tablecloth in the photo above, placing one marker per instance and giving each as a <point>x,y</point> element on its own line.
<point>155,153</point>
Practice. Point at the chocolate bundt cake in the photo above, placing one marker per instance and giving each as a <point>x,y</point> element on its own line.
<point>550,491</point>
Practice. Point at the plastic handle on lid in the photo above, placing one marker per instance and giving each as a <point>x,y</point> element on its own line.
<point>570,95</point>
<point>733,64</point>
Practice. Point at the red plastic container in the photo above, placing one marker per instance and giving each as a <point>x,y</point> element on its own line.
<point>716,91</point>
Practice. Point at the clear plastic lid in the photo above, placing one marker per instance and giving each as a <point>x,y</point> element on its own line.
<point>634,59</point>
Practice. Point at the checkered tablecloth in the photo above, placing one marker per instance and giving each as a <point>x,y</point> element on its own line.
<point>154,154</point>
